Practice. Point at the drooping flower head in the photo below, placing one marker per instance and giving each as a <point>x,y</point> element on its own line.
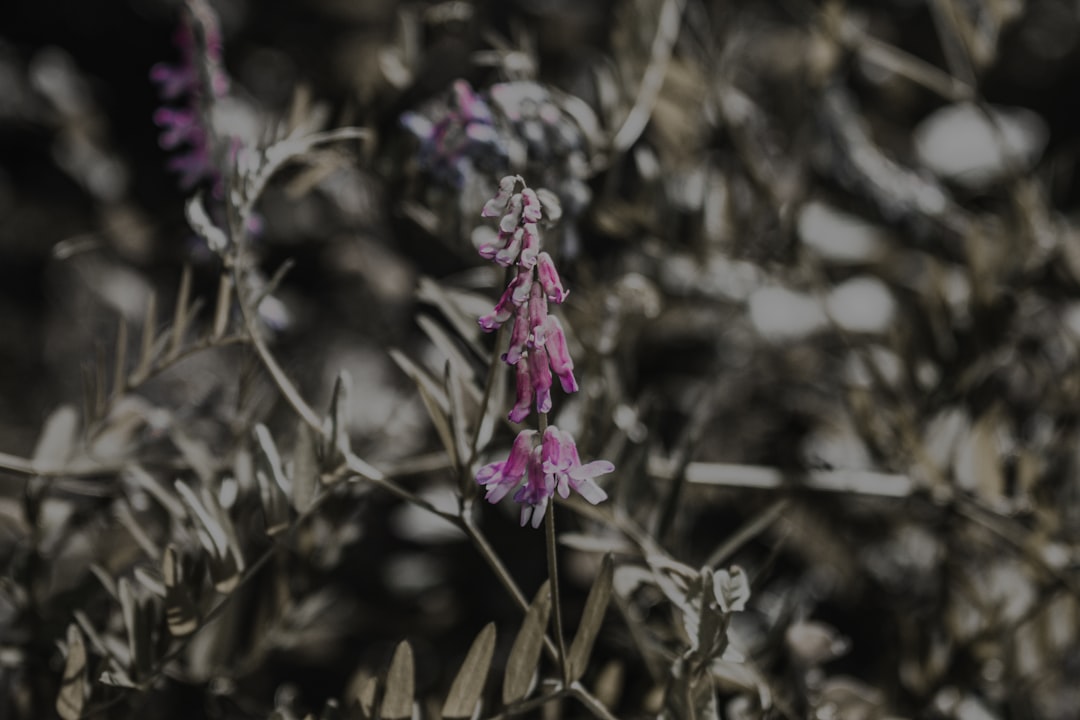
<point>537,338</point>
<point>537,349</point>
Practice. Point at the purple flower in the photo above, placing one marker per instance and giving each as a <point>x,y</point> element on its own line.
<point>538,315</point>
<point>514,295</point>
<point>534,495</point>
<point>523,391</point>
<point>558,355</point>
<point>530,245</point>
<point>530,206</point>
<point>519,335</point>
<point>541,378</point>
<point>502,477</point>
<point>512,217</point>
<point>509,254</point>
<point>549,278</point>
<point>561,462</point>
<point>195,83</point>
<point>497,205</point>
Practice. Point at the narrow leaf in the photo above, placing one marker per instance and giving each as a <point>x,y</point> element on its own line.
<point>105,579</point>
<point>73,687</point>
<point>159,492</point>
<point>273,494</point>
<point>274,505</point>
<point>435,400</point>
<point>210,501</point>
<point>195,452</point>
<point>126,518</point>
<point>57,438</point>
<point>448,303</point>
<point>222,307</point>
<point>591,618</point>
<point>149,334</point>
<point>525,654</point>
<point>222,550</point>
<point>459,421</point>
<point>305,471</point>
<point>397,703</point>
<point>147,579</point>
<point>336,430</point>
<point>468,685</point>
<point>181,614</point>
<point>219,546</point>
<point>442,340</point>
<point>181,314</point>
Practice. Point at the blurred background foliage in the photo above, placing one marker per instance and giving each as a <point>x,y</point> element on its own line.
<point>824,262</point>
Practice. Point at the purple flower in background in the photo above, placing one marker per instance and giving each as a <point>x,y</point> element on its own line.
<point>194,84</point>
<point>456,135</point>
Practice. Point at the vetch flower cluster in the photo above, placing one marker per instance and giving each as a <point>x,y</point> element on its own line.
<point>537,349</point>
<point>193,84</point>
<point>537,341</point>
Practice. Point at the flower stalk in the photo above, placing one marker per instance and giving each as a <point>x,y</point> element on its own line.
<point>545,461</point>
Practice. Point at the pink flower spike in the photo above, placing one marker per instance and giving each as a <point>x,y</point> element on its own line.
<point>502,477</point>
<point>509,254</point>
<point>519,336</point>
<point>523,391</point>
<point>541,378</point>
<point>538,315</point>
<point>530,206</point>
<point>513,214</point>
<point>561,362</point>
<point>534,495</point>
<point>497,205</point>
<point>530,245</point>
<point>549,278</point>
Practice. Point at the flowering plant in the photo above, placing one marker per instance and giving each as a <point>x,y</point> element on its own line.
<point>537,349</point>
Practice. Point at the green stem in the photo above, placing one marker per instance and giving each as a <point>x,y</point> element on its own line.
<point>553,573</point>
